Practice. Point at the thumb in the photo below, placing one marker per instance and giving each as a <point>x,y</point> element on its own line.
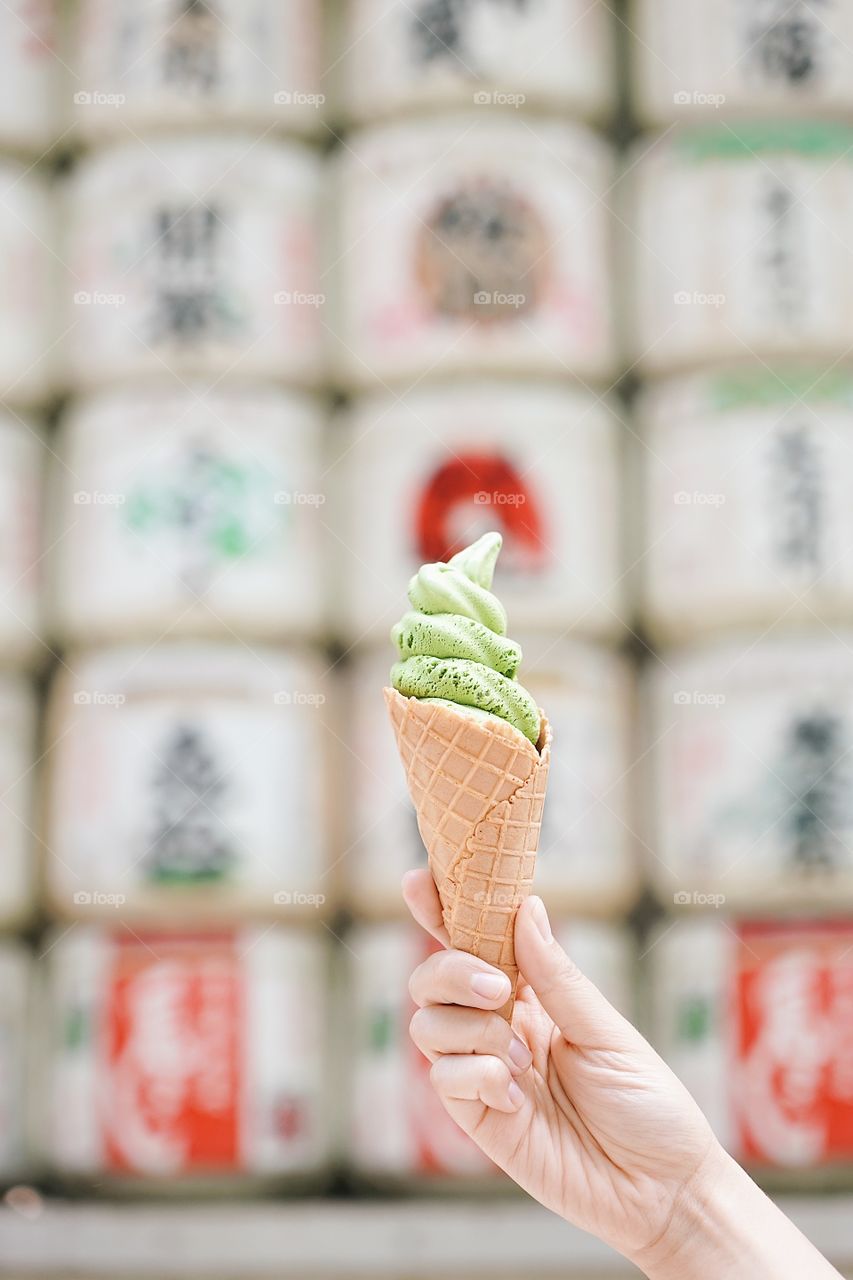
<point>578,1008</point>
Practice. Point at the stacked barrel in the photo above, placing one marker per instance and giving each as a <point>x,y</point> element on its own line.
<point>738,201</point>
<point>29,127</point>
<point>475,340</point>
<point>185,826</point>
<point>295,298</point>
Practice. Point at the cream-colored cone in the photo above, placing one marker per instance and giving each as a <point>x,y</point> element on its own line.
<point>478,788</point>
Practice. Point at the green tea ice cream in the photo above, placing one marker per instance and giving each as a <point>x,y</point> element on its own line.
<point>453,645</point>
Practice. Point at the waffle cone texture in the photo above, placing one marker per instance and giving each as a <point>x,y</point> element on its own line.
<point>478,788</point>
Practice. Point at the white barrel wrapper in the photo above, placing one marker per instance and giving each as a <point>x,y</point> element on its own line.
<point>555,55</point>
<point>16,994</point>
<point>741,58</point>
<point>27,302</point>
<point>185,1057</point>
<point>751,753</point>
<point>189,511</point>
<point>739,244</point>
<point>416,1139</point>
<point>18,842</point>
<point>22,456</point>
<point>478,242</point>
<point>30,73</point>
<point>540,464</point>
<point>187,782</point>
<point>166,63</point>
<point>197,255</point>
<point>747,478</point>
<point>587,854</point>
<point>756,1017</point>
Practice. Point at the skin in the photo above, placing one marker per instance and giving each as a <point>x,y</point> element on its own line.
<point>581,1112</point>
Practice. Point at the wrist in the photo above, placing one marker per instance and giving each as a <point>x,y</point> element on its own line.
<point>723,1225</point>
<point>704,1226</point>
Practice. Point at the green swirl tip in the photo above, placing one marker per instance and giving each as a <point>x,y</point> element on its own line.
<point>452,644</point>
<point>478,561</point>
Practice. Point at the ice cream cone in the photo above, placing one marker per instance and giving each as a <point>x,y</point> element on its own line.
<point>478,787</point>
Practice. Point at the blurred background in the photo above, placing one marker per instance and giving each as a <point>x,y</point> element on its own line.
<point>294,297</point>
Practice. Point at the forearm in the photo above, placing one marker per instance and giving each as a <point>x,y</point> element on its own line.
<point>726,1228</point>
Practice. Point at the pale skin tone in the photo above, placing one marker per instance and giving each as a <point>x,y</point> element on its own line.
<point>581,1112</point>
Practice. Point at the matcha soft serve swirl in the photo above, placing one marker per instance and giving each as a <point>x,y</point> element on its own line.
<point>453,645</point>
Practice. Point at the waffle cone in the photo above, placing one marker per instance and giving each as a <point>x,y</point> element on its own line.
<point>478,788</point>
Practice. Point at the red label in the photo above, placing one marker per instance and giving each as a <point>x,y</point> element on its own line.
<point>172,1038</point>
<point>793,1046</point>
<point>470,494</point>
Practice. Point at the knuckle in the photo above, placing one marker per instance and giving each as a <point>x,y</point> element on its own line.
<point>417,1027</point>
<point>441,979</point>
<point>424,981</point>
<point>414,979</point>
<point>566,976</point>
<point>438,1074</point>
<point>451,964</point>
<point>494,1073</point>
<point>568,971</point>
<point>488,1034</point>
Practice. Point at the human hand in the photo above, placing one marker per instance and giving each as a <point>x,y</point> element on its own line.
<point>570,1101</point>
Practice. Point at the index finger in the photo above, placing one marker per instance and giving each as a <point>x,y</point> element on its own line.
<point>421,897</point>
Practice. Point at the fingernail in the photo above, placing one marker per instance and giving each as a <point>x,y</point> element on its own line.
<point>540,918</point>
<point>491,986</point>
<point>520,1055</point>
<point>515,1095</point>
